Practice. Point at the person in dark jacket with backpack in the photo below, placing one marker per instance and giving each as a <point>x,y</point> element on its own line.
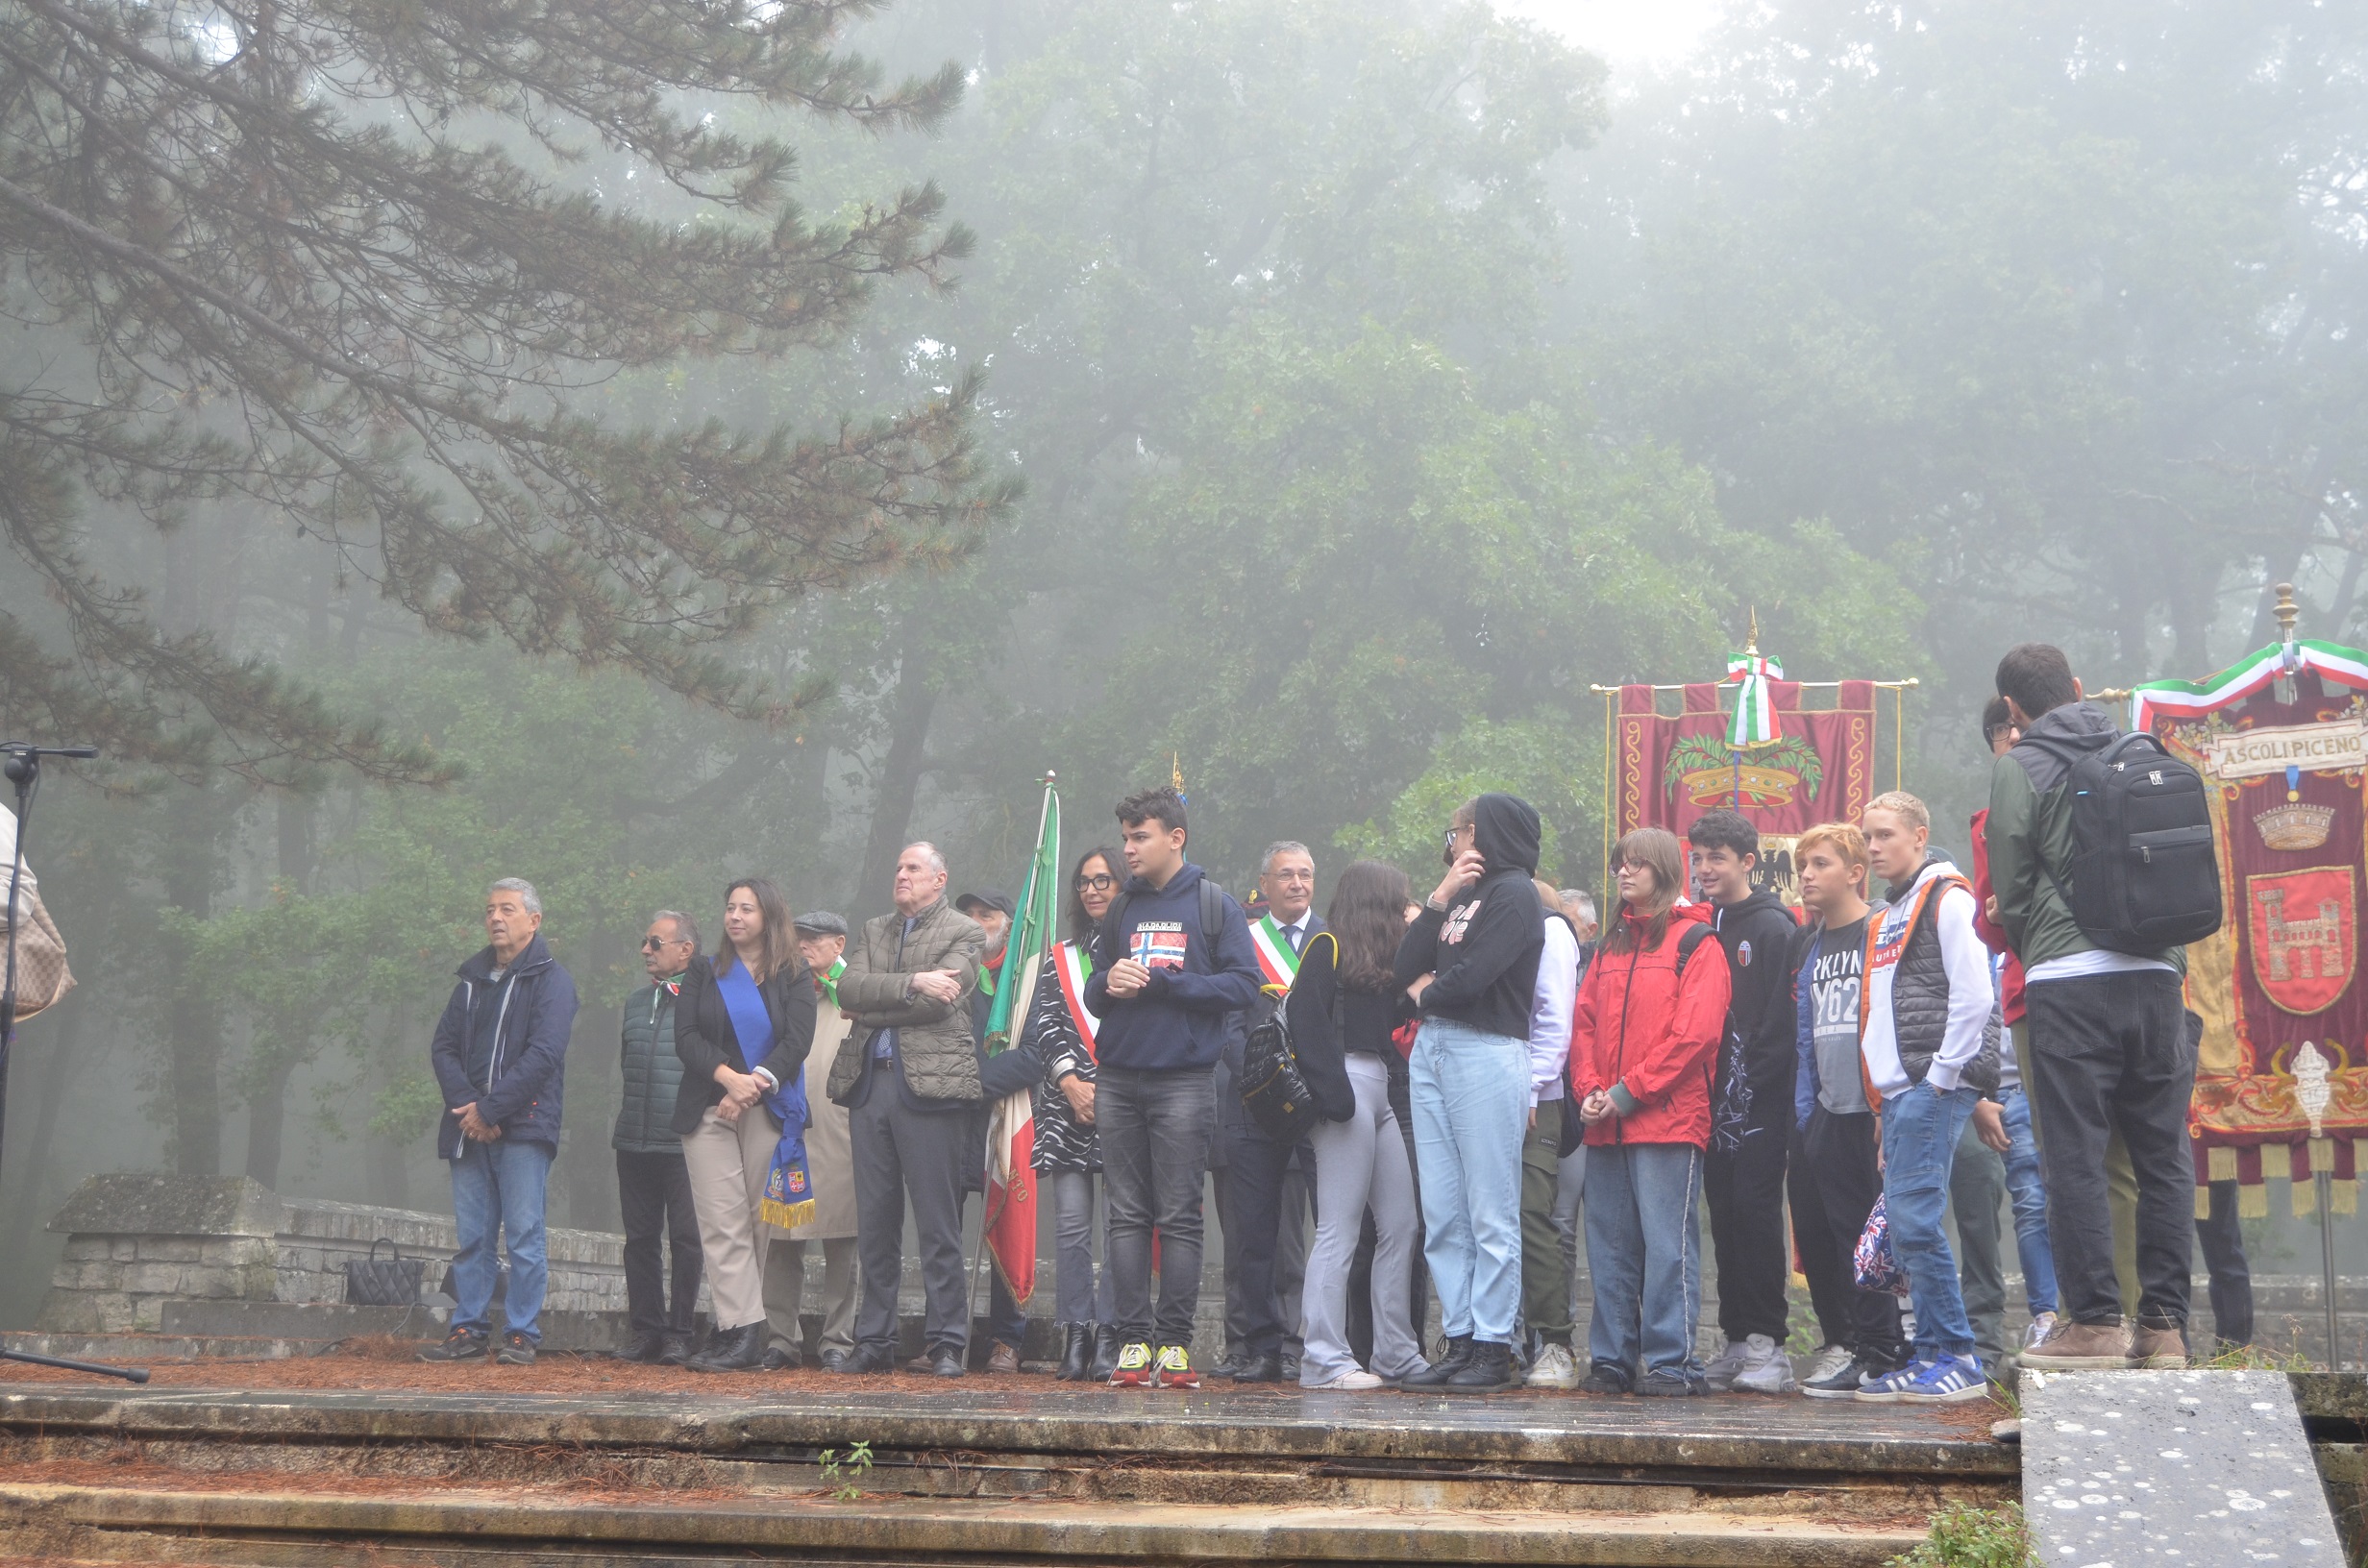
<point>2109,1041</point>
<point>1171,959</point>
<point>1751,1106</point>
<point>654,1184</point>
<point>1477,940</point>
<point>1344,1006</point>
<point>500,1055</point>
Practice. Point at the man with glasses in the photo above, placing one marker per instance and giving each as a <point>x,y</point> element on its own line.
<point>1262,1185</point>
<point>654,1184</point>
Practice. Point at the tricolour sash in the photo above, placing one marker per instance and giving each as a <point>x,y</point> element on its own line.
<point>1073,968</point>
<point>1275,955</point>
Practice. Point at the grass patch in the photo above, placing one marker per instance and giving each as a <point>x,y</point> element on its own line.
<point>1964,1536</point>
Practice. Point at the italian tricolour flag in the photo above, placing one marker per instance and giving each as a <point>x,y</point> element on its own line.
<point>1011,1131</point>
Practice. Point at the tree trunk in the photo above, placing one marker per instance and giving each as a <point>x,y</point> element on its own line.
<point>386,1162</point>
<point>267,1119</point>
<point>32,1178</point>
<point>191,856</point>
<point>900,770</point>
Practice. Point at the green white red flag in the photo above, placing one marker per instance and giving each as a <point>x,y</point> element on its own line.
<point>1010,1229</point>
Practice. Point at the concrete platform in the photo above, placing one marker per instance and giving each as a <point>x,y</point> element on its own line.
<point>1053,1473</point>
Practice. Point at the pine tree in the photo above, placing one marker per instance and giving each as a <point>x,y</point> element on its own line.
<point>335,260</point>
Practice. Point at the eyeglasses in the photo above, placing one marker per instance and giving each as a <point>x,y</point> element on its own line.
<point>649,942</point>
<point>1099,882</point>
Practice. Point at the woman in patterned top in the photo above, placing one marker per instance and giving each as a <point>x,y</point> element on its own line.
<point>1060,1035</point>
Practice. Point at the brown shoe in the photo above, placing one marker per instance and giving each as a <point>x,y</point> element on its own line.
<point>2077,1345</point>
<point>1002,1359</point>
<point>2162,1349</point>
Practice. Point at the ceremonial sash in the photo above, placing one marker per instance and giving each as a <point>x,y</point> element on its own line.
<point>1274,954</point>
<point>1074,969</point>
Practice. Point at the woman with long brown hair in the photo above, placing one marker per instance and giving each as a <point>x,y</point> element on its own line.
<point>743,1026</point>
<point>1343,1007</point>
<point>1642,1047</point>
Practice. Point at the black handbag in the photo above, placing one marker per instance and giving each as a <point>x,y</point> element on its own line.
<point>1273,1090</point>
<point>384,1281</point>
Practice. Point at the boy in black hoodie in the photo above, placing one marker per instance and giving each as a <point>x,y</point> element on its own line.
<point>1473,950</point>
<point>1751,1108</point>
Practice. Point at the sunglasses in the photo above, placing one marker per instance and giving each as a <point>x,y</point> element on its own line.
<point>649,942</point>
<point>1099,882</point>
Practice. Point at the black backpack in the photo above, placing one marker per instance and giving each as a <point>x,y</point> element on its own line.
<point>1272,1088</point>
<point>2145,873</point>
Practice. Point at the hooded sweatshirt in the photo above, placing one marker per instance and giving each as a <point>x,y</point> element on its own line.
<point>1483,949</point>
<point>1197,977</point>
<point>1759,935</point>
<point>1899,1046</point>
<point>2029,834</point>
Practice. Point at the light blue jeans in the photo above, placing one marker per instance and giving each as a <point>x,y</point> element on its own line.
<point>497,1192</point>
<point>2029,1194</point>
<point>1921,1130</point>
<point>1471,1098</point>
<point>1645,1253</point>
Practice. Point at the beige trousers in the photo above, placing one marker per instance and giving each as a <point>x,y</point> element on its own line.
<point>785,1289</point>
<point>729,1163</point>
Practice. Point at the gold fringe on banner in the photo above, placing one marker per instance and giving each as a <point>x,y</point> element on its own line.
<point>2253,1202</point>
<point>2220,1165</point>
<point>2203,1203</point>
<point>2306,1198</point>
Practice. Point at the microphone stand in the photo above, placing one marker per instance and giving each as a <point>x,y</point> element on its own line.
<point>23,770</point>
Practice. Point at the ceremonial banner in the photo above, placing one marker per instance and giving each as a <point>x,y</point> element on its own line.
<point>1670,768</point>
<point>2284,735</point>
<point>1010,1225</point>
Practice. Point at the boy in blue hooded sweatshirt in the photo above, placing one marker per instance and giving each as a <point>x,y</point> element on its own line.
<point>1172,960</point>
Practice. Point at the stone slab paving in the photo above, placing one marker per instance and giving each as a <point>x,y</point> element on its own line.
<point>2205,1468</point>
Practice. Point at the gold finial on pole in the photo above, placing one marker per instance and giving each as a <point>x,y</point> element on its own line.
<point>2287,612</point>
<point>1751,644</point>
<point>1175,773</point>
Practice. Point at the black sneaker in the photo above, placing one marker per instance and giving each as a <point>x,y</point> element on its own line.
<point>1844,1383</point>
<point>1664,1383</point>
<point>517,1350</point>
<point>460,1345</point>
<point>1603,1378</point>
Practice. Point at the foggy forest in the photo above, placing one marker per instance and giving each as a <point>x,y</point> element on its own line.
<point>625,444</point>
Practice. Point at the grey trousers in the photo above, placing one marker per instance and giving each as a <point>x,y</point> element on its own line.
<point>785,1291</point>
<point>1569,1199</point>
<point>1360,1162</point>
<point>1079,1296</point>
<point>1977,1193</point>
<point>1155,1129</point>
<point>900,1154</point>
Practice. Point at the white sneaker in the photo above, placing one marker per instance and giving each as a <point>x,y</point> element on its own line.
<point>1555,1368</point>
<point>1354,1380</point>
<point>1767,1368</point>
<point>2040,1328</point>
<point>1829,1362</point>
<point>1721,1372</point>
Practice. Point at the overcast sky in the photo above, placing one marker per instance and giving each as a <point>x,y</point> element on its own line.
<point>1624,32</point>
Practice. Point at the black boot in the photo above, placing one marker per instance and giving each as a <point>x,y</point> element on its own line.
<point>646,1347</point>
<point>733,1350</point>
<point>1106,1349</point>
<point>1077,1351</point>
<point>1436,1374</point>
<point>1490,1369</point>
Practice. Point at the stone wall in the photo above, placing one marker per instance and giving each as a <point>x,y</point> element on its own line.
<point>135,1241</point>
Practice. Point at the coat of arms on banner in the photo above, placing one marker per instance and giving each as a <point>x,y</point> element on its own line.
<point>2304,936</point>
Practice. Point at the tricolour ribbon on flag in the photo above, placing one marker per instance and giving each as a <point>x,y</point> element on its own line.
<point>1755,704</point>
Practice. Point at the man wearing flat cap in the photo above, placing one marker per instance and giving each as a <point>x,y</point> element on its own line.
<point>821,938</point>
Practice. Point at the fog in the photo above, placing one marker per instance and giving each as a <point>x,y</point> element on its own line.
<point>1309,397</point>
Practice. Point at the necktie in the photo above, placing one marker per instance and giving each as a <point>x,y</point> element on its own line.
<point>1294,935</point>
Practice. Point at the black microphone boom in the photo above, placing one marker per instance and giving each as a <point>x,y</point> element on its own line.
<point>23,769</point>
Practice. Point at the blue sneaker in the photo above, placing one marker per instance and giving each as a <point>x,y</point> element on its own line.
<point>1893,1385</point>
<point>1947,1380</point>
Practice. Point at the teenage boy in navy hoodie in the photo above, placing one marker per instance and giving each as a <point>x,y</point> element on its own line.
<point>1171,962</point>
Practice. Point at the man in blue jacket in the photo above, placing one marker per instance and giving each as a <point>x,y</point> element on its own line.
<point>1170,960</point>
<point>500,1054</point>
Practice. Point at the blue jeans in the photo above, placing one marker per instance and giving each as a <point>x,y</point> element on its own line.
<point>2030,1195</point>
<point>498,1192</point>
<point>1921,1130</point>
<point>1644,1255</point>
<point>1471,1099</point>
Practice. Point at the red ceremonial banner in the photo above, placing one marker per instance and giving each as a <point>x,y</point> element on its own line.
<point>1673,768</point>
<point>2284,969</point>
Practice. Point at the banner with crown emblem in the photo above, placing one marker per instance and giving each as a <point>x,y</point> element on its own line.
<point>2283,734</point>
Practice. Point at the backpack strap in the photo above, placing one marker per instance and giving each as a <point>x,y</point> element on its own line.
<point>1688,941</point>
<point>1212,918</point>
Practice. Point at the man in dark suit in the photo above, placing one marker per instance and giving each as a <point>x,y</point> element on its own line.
<point>1262,1185</point>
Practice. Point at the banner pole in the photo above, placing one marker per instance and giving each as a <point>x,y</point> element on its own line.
<point>1610,742</point>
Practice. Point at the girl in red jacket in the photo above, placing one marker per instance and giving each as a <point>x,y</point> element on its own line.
<point>1642,1048</point>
